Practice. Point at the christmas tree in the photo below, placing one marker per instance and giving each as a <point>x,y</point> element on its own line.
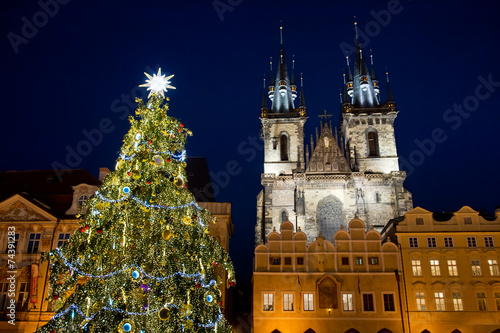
<point>143,259</point>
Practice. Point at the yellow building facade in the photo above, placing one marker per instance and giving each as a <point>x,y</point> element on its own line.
<point>348,285</point>
<point>450,270</point>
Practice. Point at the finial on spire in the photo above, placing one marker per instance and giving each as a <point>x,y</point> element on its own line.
<point>293,61</point>
<point>271,63</point>
<point>347,60</point>
<point>371,57</point>
<point>301,80</point>
<point>340,93</point>
<point>356,27</point>
<point>387,75</point>
<point>344,77</point>
<point>264,81</point>
<point>281,32</point>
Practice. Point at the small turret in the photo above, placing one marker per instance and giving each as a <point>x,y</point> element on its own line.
<point>292,81</point>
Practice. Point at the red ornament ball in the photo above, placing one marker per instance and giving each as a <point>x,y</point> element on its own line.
<point>99,230</point>
<point>87,227</point>
<point>168,160</point>
<point>232,284</point>
<point>128,173</point>
<point>56,296</point>
<point>148,182</point>
<point>52,331</point>
<point>181,125</point>
<point>215,263</point>
<point>82,229</point>
<point>150,141</point>
<point>195,217</point>
<point>179,130</point>
<point>198,285</point>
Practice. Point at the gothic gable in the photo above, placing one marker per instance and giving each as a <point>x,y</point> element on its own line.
<point>17,208</point>
<point>327,157</point>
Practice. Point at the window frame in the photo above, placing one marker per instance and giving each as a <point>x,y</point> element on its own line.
<point>266,294</point>
<point>384,294</point>
<point>310,302</point>
<point>476,267</point>
<point>34,243</point>
<point>448,242</point>
<point>482,302</point>
<point>420,301</point>
<point>439,301</point>
<point>417,268</point>
<point>287,301</point>
<point>62,240</point>
<point>489,241</point>
<point>471,241</point>
<point>372,295</point>
<point>413,242</point>
<point>453,268</point>
<point>351,294</point>
<point>435,267</point>
<point>457,301</point>
<point>493,267</point>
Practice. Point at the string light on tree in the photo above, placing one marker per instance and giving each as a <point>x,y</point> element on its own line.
<point>142,259</point>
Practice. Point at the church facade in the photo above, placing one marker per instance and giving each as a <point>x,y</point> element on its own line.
<point>340,174</point>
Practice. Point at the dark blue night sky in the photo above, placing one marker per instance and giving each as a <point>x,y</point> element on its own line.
<point>77,70</point>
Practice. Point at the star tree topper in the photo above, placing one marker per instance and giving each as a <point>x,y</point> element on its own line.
<point>157,84</point>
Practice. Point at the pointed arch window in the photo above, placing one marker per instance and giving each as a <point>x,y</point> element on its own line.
<point>284,147</point>
<point>373,143</point>
<point>283,216</point>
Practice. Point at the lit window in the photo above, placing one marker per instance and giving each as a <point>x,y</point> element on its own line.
<point>481,301</point>
<point>34,243</point>
<point>23,297</point>
<point>268,302</point>
<point>416,266</point>
<point>368,304</point>
<point>62,239</point>
<point>497,301</point>
<point>439,297</point>
<point>448,242</point>
<point>476,268</point>
<point>287,302</point>
<point>457,302</point>
<point>493,263</point>
<point>452,267</point>
<point>81,200</point>
<point>389,302</point>
<point>413,241</point>
<point>435,269</point>
<point>347,302</point>
<point>359,260</point>
<point>488,241</point>
<point>308,302</point>
<point>373,260</point>
<point>420,297</point>
<point>431,241</point>
<point>471,241</point>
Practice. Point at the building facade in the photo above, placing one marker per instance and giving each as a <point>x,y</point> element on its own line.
<point>348,285</point>
<point>450,270</point>
<point>321,186</point>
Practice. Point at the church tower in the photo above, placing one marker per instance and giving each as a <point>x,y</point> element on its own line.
<point>283,123</point>
<point>338,175</point>
<point>367,124</point>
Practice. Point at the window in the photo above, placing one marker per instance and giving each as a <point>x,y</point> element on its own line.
<point>435,269</point>
<point>420,298</point>
<point>284,147</point>
<point>275,261</point>
<point>308,302</point>
<point>62,239</point>
<point>439,297</point>
<point>4,300</point>
<point>419,221</point>
<point>347,302</point>
<point>345,260</point>
<point>416,266</point>
<point>452,267</point>
<point>431,241</point>
<point>373,260</point>
<point>377,197</point>
<point>288,260</point>
<point>23,297</point>
<point>448,242</point>
<point>488,241</point>
<point>493,263</point>
<point>287,302</point>
<point>457,302</point>
<point>268,302</point>
<point>413,241</point>
<point>34,242</point>
<point>372,144</point>
<point>471,241</point>
<point>476,267</point>
<point>497,301</point>
<point>467,220</point>
<point>81,200</point>
<point>359,260</point>
<point>300,260</point>
<point>389,302</point>
<point>368,304</point>
<point>283,216</point>
<point>481,301</point>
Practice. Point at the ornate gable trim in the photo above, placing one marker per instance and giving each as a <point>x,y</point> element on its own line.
<point>17,208</point>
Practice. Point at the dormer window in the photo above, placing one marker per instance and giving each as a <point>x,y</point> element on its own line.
<point>81,200</point>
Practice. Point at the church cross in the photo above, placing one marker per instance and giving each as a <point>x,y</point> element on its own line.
<point>324,115</point>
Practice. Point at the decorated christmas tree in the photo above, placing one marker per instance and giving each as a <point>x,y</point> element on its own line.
<point>142,259</point>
